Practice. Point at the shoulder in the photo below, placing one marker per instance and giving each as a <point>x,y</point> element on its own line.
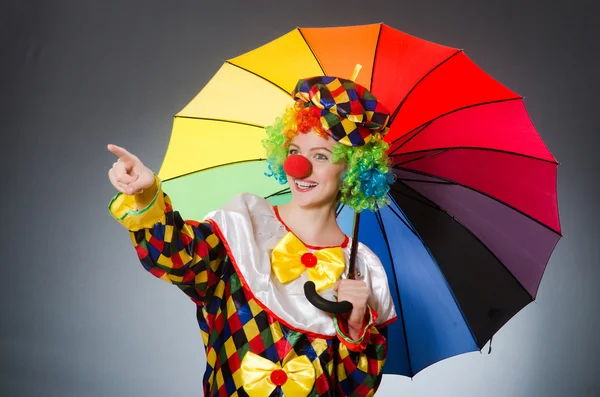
<point>367,258</point>
<point>244,203</point>
<point>245,210</point>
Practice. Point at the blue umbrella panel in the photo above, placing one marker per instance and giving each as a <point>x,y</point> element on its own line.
<point>430,325</point>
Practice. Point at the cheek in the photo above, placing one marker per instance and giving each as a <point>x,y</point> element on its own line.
<point>341,172</point>
<point>330,172</point>
<point>337,178</point>
<point>334,173</point>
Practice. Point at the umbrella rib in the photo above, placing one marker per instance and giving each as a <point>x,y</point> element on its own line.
<point>387,245</point>
<point>278,193</point>
<point>421,180</point>
<point>220,120</point>
<point>414,198</point>
<point>426,124</point>
<point>408,225</point>
<point>427,153</point>
<point>393,117</point>
<point>403,221</point>
<point>415,132</point>
<point>375,56</point>
<point>339,209</point>
<point>259,76</point>
<point>210,168</point>
<point>442,150</point>
<point>311,51</point>
<point>478,191</point>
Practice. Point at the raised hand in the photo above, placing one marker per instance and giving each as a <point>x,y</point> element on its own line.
<point>128,174</point>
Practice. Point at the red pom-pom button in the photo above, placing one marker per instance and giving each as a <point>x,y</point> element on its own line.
<point>297,166</point>
<point>278,377</point>
<point>308,259</point>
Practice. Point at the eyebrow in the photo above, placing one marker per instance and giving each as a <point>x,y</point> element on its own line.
<point>315,148</point>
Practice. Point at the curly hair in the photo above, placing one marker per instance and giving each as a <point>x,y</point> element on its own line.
<point>368,177</point>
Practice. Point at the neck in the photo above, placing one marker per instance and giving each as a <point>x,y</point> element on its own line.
<point>315,226</point>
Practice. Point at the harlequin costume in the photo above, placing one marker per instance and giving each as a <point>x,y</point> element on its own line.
<point>245,271</point>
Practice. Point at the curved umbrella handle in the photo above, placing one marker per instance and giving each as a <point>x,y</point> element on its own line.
<point>321,303</point>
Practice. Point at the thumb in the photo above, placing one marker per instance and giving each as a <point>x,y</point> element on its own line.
<point>336,285</point>
<point>136,184</point>
<point>142,178</point>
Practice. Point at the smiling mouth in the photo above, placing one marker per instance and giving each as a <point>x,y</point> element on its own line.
<point>305,185</point>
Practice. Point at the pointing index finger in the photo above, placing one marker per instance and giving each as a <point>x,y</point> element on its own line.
<point>122,153</point>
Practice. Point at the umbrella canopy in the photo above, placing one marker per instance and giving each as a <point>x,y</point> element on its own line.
<point>473,217</point>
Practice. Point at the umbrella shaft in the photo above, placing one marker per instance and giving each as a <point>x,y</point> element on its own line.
<point>354,247</point>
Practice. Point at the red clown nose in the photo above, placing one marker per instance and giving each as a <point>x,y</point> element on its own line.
<point>297,166</point>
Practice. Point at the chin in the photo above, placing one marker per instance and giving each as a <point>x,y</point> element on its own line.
<point>310,200</point>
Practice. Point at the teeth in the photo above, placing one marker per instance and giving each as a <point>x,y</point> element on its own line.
<point>305,184</point>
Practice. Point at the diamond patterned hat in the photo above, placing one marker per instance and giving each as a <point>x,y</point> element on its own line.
<point>350,114</point>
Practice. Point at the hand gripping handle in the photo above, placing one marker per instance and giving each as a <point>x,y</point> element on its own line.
<point>321,303</point>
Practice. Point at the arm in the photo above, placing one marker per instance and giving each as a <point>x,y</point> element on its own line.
<point>359,361</point>
<point>185,253</point>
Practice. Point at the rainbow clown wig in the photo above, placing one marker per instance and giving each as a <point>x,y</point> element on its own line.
<point>349,114</point>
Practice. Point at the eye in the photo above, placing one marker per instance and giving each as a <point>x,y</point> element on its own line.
<point>293,151</point>
<point>320,156</point>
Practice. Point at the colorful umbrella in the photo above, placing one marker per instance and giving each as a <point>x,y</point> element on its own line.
<point>473,218</point>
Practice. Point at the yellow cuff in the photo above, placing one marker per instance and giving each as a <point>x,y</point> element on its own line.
<point>122,208</point>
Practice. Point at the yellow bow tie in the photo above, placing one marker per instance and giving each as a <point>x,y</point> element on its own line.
<point>262,376</point>
<point>290,258</point>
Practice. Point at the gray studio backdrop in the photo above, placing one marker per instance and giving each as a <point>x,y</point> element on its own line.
<point>80,316</point>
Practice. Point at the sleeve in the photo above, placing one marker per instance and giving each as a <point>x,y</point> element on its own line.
<point>185,253</point>
<point>359,362</point>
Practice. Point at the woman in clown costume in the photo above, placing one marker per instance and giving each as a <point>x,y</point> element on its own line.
<point>245,264</point>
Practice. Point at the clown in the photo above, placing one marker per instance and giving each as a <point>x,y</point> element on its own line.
<point>245,265</point>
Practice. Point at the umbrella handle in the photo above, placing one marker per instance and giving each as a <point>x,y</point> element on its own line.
<point>321,303</point>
